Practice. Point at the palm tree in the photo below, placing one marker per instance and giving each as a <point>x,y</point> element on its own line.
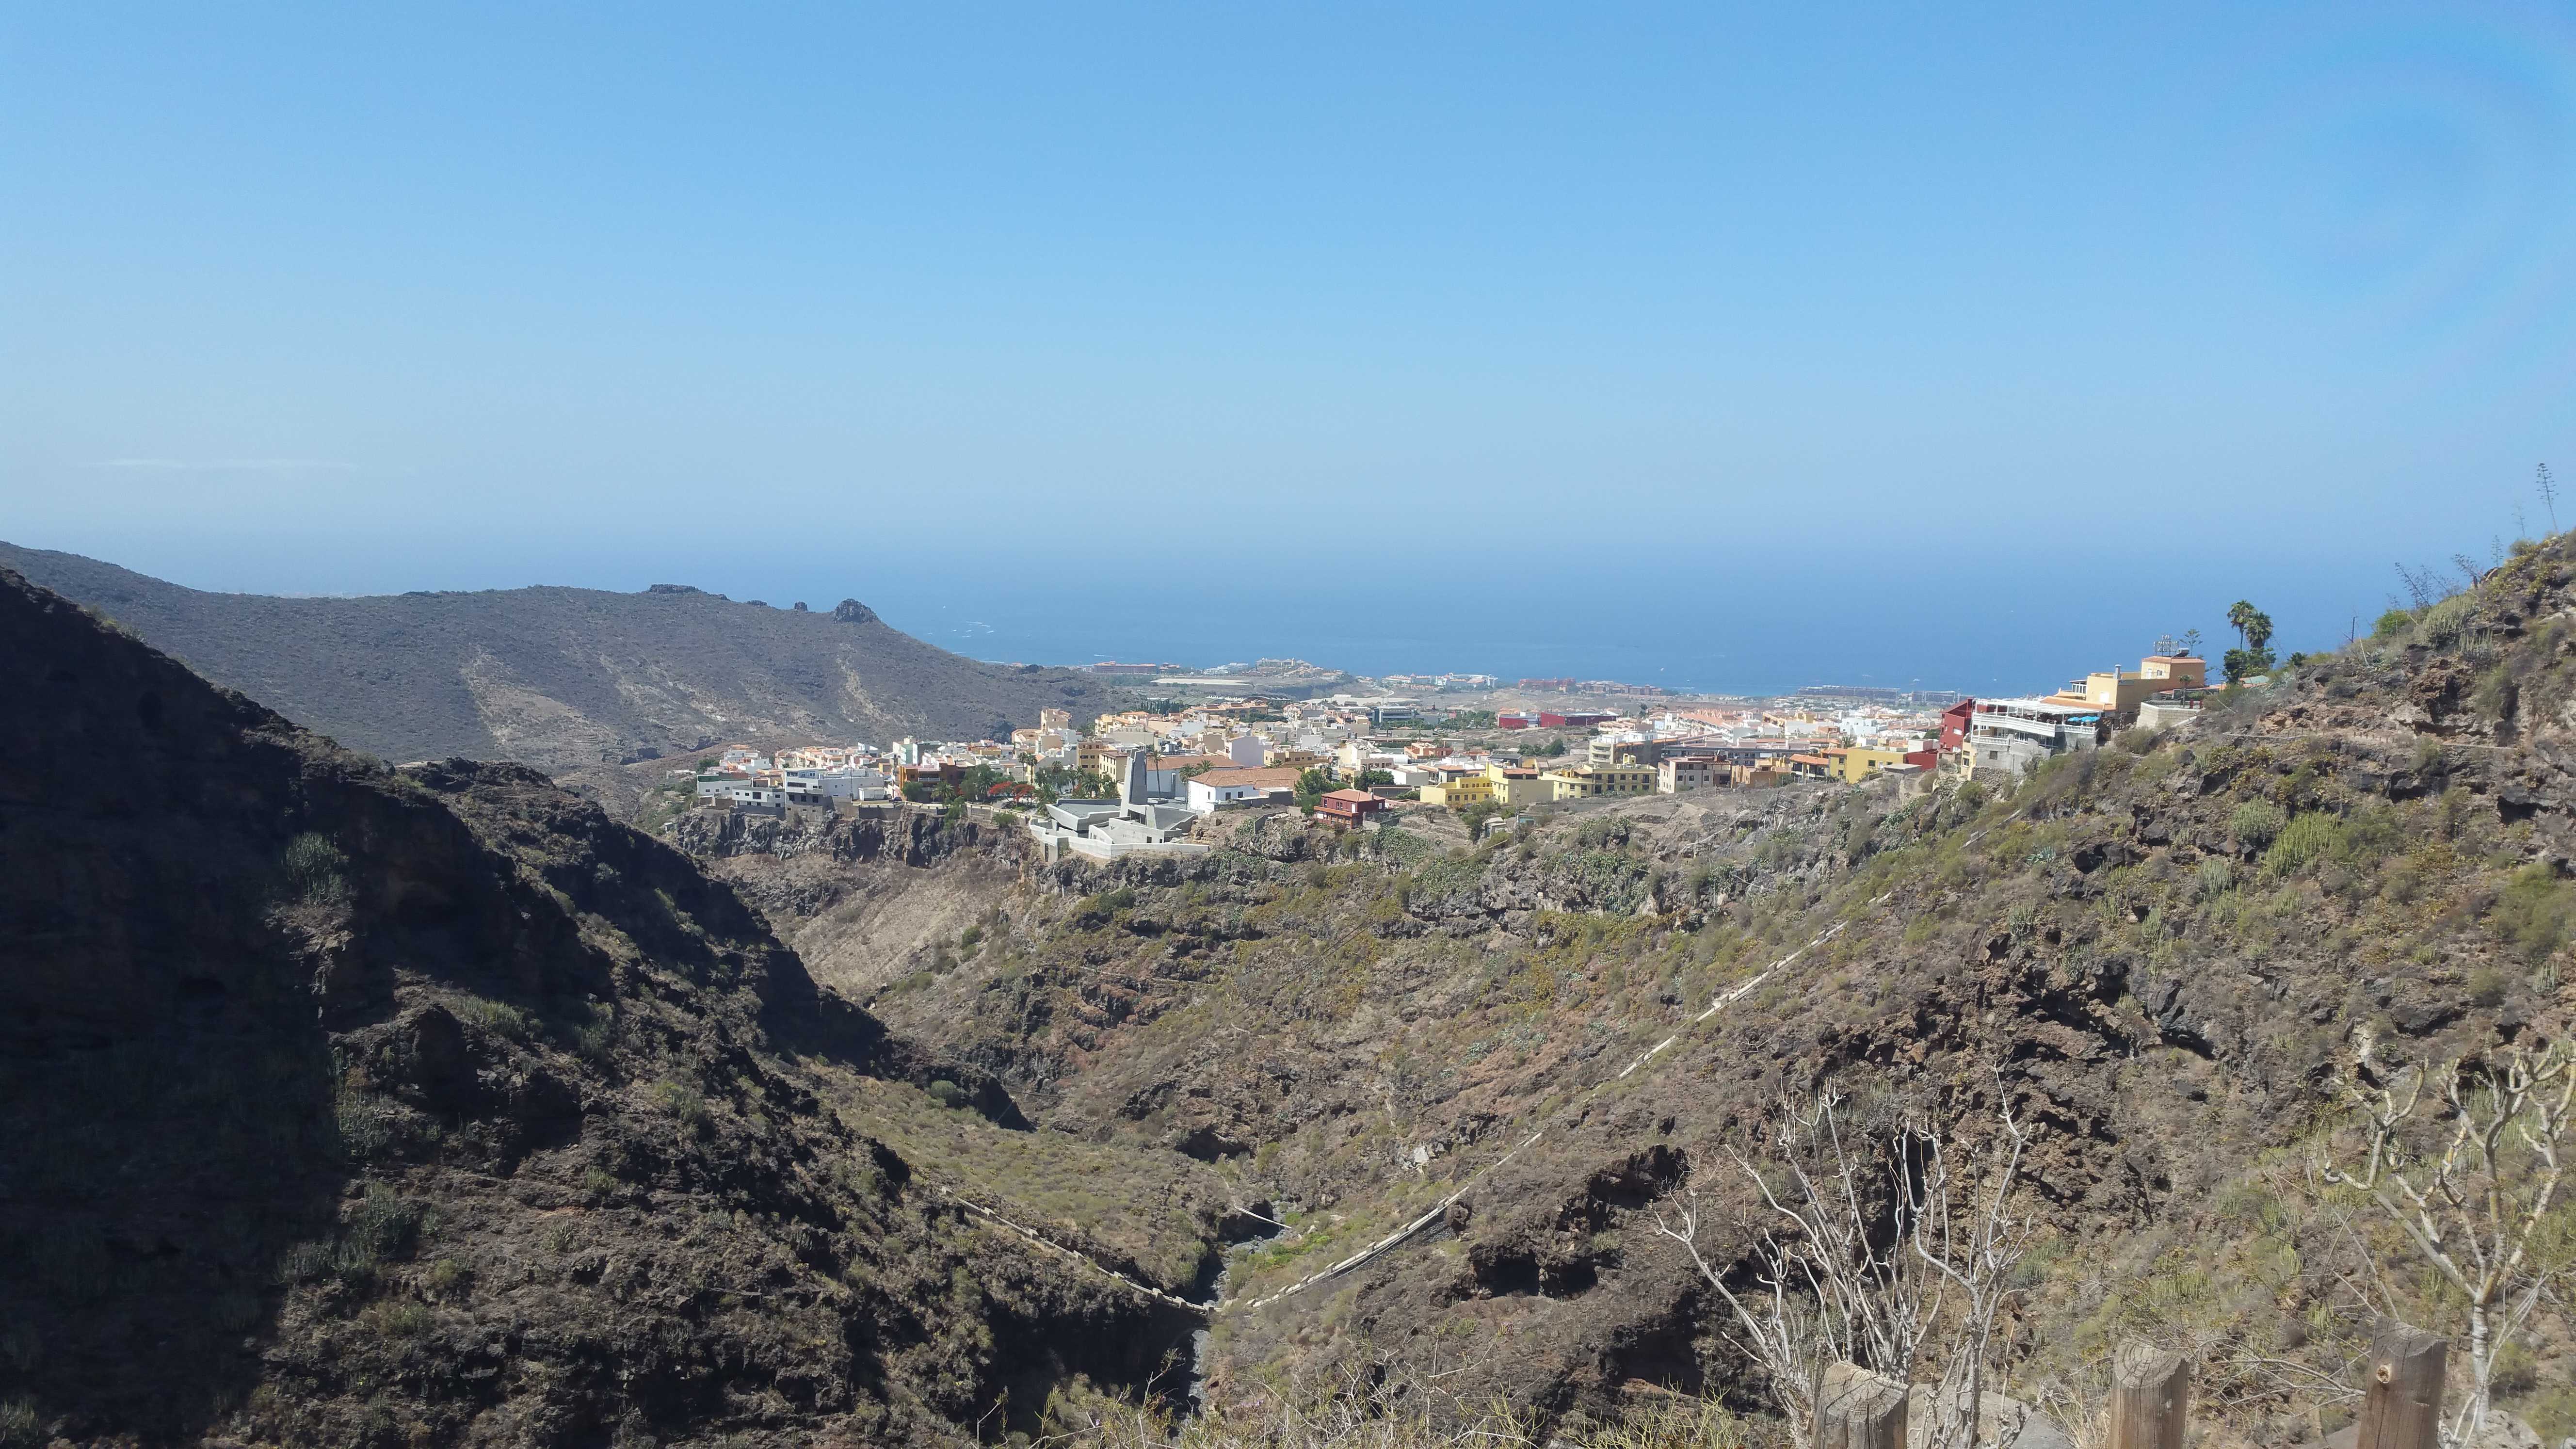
<point>2251,624</point>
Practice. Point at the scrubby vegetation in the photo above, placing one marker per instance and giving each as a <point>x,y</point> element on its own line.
<point>2167,954</point>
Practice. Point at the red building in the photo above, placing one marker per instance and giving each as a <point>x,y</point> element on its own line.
<point>1348,807</point>
<point>1954,724</point>
<point>1579,720</point>
<point>1513,721</point>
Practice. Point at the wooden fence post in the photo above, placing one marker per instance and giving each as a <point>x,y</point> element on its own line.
<point>1857,1409</point>
<point>2402,1406</point>
<point>2150,1397</point>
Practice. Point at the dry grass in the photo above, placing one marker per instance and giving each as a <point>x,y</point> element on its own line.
<point>1367,1408</point>
<point>1083,1195</point>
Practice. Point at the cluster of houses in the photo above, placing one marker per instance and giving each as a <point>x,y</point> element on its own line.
<point>819,775</point>
<point>2006,737</point>
<point>1693,749</point>
<point>1159,773</point>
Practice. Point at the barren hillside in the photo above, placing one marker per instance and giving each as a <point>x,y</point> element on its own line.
<point>565,678</point>
<point>356,1106</point>
<point>2165,958</point>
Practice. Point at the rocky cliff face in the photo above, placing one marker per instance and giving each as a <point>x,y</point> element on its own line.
<point>347,1105</point>
<point>2163,957</point>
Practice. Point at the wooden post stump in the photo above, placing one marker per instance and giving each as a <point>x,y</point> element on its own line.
<point>2402,1406</point>
<point>2150,1397</point>
<point>1857,1409</point>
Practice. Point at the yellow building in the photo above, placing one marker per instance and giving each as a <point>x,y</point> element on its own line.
<point>1626,779</point>
<point>1460,793</point>
<point>2121,692</point>
<point>1517,788</point>
<point>1853,766</point>
<point>1567,785</point>
<point>1584,781</point>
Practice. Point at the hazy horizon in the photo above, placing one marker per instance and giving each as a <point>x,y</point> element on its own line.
<point>1762,348</point>
<point>2003,626</point>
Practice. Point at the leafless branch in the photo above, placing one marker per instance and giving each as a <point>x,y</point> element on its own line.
<point>2469,1184</point>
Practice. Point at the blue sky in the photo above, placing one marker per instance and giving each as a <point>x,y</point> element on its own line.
<point>1760,346</point>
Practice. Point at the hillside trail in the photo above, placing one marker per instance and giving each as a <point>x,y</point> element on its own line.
<point>1436,1212</point>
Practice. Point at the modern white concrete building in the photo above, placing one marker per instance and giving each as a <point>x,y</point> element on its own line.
<point>1134,823</point>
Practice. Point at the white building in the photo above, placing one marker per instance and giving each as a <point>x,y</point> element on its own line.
<point>2007,737</point>
<point>1134,823</point>
<point>1218,788</point>
<point>836,784</point>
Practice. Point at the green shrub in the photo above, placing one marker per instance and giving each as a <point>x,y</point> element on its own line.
<point>1447,882</point>
<point>946,1093</point>
<point>386,1224</point>
<point>591,1038</point>
<point>2216,877</point>
<point>1606,832</point>
<point>2495,695</point>
<point>2370,835</point>
<point>682,1102</point>
<point>2311,836</point>
<point>2256,822</point>
<point>2535,912</point>
<point>2392,624</point>
<point>2444,621</point>
<point>1400,846</point>
<point>314,870</point>
<point>402,1320</point>
<point>21,1427</point>
<point>498,1017</point>
<point>366,1126</point>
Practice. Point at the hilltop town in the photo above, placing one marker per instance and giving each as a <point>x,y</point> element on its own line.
<point>1142,780</point>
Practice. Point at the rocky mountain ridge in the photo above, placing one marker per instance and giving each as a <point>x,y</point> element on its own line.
<point>563,678</point>
<point>358,1106</point>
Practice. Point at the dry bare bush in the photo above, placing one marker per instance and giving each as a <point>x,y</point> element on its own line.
<point>1893,1252</point>
<point>2470,1183</point>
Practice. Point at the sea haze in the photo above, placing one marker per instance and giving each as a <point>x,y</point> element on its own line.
<point>1733,620</point>
<point>1978,626</point>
